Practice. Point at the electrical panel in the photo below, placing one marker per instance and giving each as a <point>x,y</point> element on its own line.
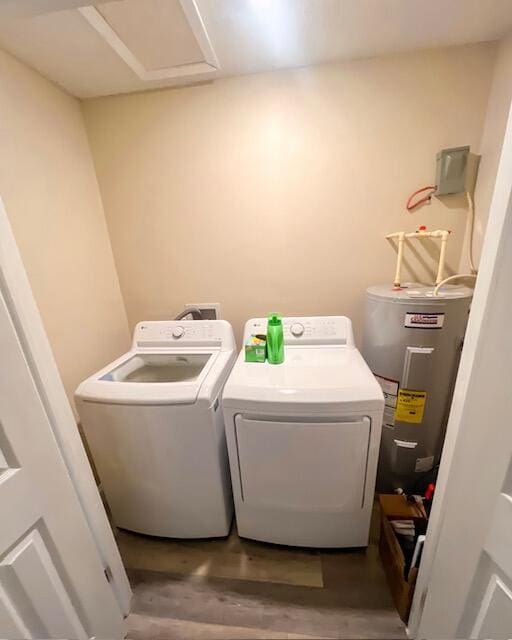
<point>451,169</point>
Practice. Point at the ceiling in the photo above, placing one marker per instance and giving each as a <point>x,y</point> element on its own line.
<point>132,45</point>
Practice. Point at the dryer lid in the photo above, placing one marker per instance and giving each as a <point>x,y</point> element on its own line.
<point>321,379</point>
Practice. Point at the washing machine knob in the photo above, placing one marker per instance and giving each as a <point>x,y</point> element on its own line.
<point>297,329</point>
<point>177,332</point>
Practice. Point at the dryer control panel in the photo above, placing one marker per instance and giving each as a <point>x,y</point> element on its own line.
<point>183,333</point>
<point>308,330</point>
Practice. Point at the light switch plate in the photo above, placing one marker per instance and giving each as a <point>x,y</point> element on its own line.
<point>210,310</point>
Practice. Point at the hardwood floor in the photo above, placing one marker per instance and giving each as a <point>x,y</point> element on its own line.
<point>236,588</point>
<point>232,557</point>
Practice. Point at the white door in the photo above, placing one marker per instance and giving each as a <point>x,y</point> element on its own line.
<point>464,587</point>
<point>53,581</point>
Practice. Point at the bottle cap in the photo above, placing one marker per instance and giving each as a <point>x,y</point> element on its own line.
<point>274,318</point>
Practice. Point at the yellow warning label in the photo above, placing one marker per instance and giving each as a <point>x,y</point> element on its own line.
<point>410,405</point>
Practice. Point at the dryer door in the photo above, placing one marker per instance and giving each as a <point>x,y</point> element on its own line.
<point>313,466</point>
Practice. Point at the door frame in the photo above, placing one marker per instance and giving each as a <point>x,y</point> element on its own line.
<point>500,214</point>
<point>16,290</point>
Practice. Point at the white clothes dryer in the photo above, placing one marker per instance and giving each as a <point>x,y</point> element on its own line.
<point>303,437</point>
<point>155,428</point>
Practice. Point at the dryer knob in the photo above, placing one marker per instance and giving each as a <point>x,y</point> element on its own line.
<point>177,332</point>
<point>297,330</point>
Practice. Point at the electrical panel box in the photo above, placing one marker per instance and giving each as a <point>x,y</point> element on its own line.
<point>451,168</point>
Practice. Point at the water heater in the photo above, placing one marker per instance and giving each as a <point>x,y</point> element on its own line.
<point>412,343</point>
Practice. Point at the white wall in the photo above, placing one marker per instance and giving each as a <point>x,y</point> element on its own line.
<point>263,192</point>
<point>497,115</point>
<point>455,569</point>
<point>49,188</point>
<point>273,192</point>
<point>490,146</point>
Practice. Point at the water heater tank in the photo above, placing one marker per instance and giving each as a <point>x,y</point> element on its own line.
<point>412,343</point>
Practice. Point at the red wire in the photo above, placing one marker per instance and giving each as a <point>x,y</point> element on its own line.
<point>412,205</point>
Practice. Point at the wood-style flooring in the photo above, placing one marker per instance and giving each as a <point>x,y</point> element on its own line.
<point>236,589</point>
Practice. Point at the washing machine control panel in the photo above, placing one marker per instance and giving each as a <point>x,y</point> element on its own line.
<point>170,333</point>
<point>307,330</point>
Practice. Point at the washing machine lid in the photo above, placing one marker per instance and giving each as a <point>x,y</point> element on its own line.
<point>153,368</point>
<point>313,379</point>
<point>154,377</point>
<point>171,362</point>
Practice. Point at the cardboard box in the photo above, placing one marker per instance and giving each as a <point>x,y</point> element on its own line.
<point>256,348</point>
<point>393,507</point>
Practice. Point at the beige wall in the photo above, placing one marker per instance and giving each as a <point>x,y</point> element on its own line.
<point>273,192</point>
<point>490,147</point>
<point>49,188</point>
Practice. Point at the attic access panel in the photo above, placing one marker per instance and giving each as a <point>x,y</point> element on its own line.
<point>157,39</point>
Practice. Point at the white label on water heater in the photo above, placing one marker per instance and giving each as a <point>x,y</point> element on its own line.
<point>388,419</point>
<point>388,386</point>
<point>390,390</point>
<point>424,320</point>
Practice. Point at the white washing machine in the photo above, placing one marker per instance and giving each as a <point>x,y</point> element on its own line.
<point>303,437</point>
<point>155,429</point>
